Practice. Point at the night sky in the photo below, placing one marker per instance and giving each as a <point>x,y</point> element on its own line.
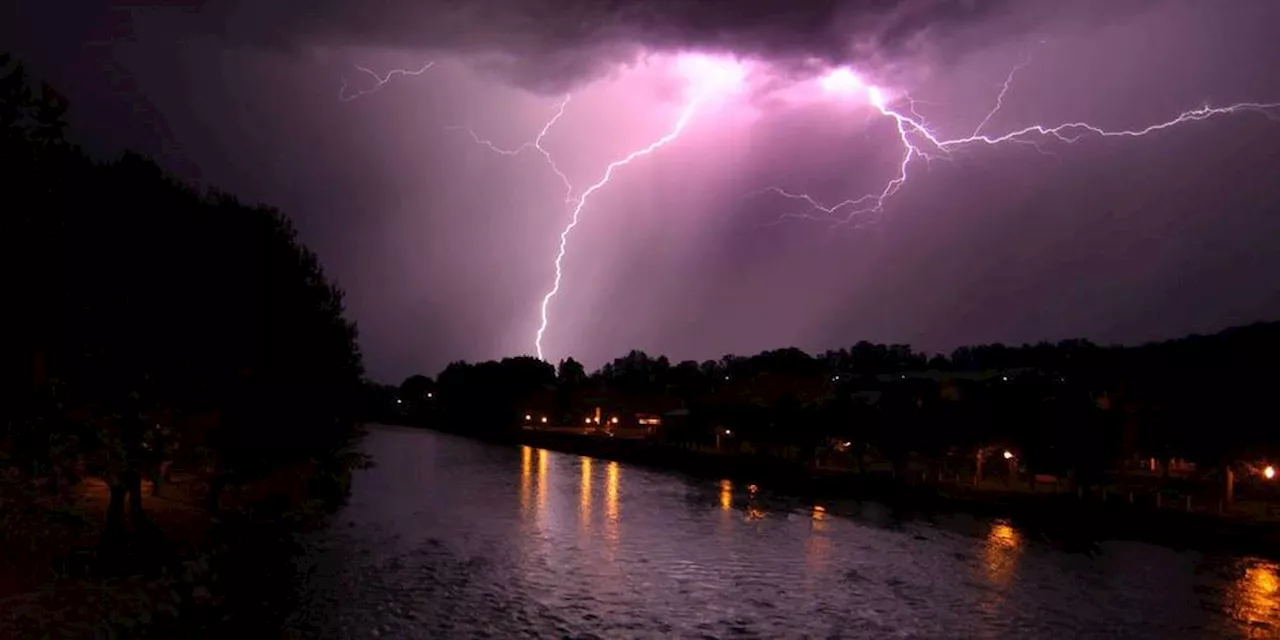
<point>445,248</point>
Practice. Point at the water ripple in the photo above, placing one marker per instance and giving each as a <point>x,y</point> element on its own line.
<point>447,537</point>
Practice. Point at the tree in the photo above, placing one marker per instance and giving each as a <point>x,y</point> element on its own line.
<point>417,389</point>
<point>571,373</point>
<point>158,282</point>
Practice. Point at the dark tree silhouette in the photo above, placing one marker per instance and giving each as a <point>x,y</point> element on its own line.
<point>417,396</point>
<point>1070,408</point>
<point>120,274</point>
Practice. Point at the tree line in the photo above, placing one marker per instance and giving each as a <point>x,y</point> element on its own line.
<point>139,302</point>
<point>1070,406</point>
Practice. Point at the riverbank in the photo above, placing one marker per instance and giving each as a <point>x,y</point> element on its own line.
<point>180,572</point>
<point>1060,517</point>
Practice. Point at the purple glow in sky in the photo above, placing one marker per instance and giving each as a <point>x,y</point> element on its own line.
<point>726,176</point>
<point>712,77</point>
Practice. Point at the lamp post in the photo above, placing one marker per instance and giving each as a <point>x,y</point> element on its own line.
<point>719,434</point>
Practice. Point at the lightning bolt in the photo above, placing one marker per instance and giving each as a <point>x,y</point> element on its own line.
<point>919,141</point>
<point>581,202</point>
<point>1004,90</point>
<point>380,81</point>
<point>577,204</point>
<point>534,145</point>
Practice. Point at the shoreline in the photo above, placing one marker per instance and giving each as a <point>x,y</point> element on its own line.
<point>1059,517</point>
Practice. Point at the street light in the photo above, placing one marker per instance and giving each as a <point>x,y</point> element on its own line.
<point>527,417</point>
<point>1008,455</point>
<point>544,419</point>
<point>1269,472</point>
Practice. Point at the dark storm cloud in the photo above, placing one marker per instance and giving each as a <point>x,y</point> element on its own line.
<point>550,44</point>
<point>445,249</point>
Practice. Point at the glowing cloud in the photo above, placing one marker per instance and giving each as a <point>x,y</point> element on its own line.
<point>842,81</point>
<point>711,78</point>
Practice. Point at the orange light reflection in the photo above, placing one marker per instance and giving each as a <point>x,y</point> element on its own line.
<point>526,476</point>
<point>584,501</point>
<point>817,547</point>
<point>1000,553</point>
<point>612,473</point>
<point>1254,599</point>
<point>543,458</point>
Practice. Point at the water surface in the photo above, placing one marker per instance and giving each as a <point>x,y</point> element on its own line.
<point>449,537</point>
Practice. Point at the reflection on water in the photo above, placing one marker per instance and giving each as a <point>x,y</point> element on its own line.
<point>1000,554</point>
<point>584,500</point>
<point>999,559</point>
<point>526,477</point>
<point>818,544</point>
<point>544,459</point>
<point>1255,599</point>
<point>434,542</point>
<point>612,471</point>
<point>754,512</point>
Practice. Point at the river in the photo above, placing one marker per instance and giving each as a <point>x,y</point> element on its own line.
<point>449,537</point>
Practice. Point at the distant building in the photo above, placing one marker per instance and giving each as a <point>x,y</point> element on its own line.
<point>648,420</point>
<point>648,423</point>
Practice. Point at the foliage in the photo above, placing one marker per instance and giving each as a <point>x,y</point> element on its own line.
<point>1069,406</point>
<point>135,294</point>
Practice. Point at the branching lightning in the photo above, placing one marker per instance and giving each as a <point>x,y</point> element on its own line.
<point>1004,90</point>
<point>715,77</point>
<point>577,204</point>
<point>919,141</point>
<point>380,81</point>
<point>581,202</point>
<point>535,145</point>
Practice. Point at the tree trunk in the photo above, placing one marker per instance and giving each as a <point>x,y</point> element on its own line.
<point>133,485</point>
<point>216,485</point>
<point>115,509</point>
<point>130,484</point>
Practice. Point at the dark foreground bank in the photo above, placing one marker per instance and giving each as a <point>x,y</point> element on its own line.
<point>180,572</point>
